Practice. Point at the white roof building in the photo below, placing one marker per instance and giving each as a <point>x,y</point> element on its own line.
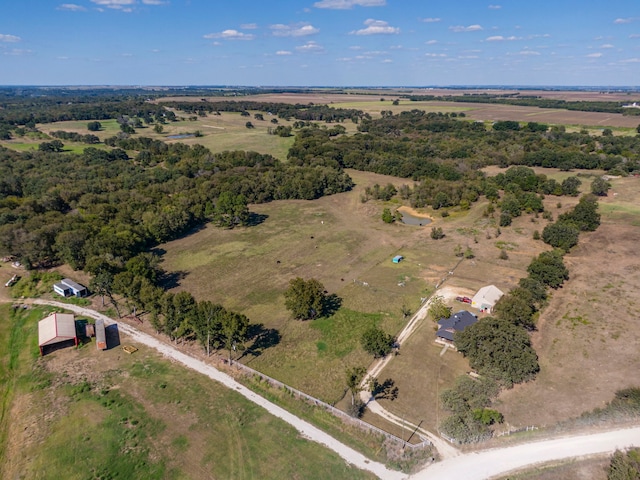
<point>486,298</point>
<point>56,328</point>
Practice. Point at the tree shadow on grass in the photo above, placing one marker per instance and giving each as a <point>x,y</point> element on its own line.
<point>263,338</point>
<point>331,305</point>
<point>256,219</point>
<point>385,390</point>
<point>170,280</point>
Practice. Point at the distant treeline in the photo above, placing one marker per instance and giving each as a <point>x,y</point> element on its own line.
<point>532,101</point>
<point>308,112</point>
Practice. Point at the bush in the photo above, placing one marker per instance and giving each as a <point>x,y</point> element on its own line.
<point>437,233</point>
<point>505,219</point>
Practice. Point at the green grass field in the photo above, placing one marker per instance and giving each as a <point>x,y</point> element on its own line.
<point>82,413</point>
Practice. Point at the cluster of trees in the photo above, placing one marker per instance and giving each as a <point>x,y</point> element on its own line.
<point>564,233</point>
<point>302,112</point>
<point>499,347</point>
<point>88,138</point>
<point>416,145</point>
<point>469,401</point>
<point>530,101</point>
<point>177,315</point>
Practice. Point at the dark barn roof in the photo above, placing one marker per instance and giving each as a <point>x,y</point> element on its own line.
<point>455,323</point>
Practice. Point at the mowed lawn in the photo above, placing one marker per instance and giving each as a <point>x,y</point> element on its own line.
<point>84,413</point>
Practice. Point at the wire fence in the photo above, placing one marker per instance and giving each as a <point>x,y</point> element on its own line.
<point>333,410</point>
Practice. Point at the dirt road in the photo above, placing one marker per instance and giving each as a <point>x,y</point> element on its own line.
<point>306,429</point>
<point>470,466</point>
<point>483,465</point>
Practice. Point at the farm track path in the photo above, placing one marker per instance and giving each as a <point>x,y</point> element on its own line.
<point>445,449</point>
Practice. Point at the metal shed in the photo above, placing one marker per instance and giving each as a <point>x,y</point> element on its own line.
<point>101,335</point>
<point>397,259</point>
<point>56,328</point>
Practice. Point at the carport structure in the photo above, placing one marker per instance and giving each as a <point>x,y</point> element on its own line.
<point>56,328</point>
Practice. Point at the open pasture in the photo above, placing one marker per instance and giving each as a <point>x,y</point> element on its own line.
<point>344,244</point>
<point>588,335</point>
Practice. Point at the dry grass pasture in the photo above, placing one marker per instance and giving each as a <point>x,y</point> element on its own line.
<point>588,335</point>
<point>337,240</point>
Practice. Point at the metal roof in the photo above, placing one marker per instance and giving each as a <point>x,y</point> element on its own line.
<point>55,328</point>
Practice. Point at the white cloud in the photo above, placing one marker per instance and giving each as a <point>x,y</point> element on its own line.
<point>435,55</point>
<point>625,20</point>
<point>72,7</point>
<point>387,60</point>
<point>500,38</point>
<point>124,5</point>
<point>283,52</point>
<point>431,42</point>
<point>230,34</point>
<point>17,52</point>
<point>461,28</point>
<point>9,38</point>
<point>631,60</point>
<point>495,7</point>
<point>606,45</point>
<point>154,2</point>
<point>431,20</point>
<point>594,55</point>
<point>634,35</point>
<point>529,52</point>
<point>348,4</point>
<point>249,26</point>
<point>280,30</point>
<point>310,47</point>
<point>376,27</point>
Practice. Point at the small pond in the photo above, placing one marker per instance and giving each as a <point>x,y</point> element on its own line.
<point>182,135</point>
<point>409,219</point>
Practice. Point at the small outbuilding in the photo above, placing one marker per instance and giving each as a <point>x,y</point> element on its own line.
<point>397,259</point>
<point>101,335</point>
<point>455,323</point>
<point>67,287</point>
<point>56,328</point>
<point>486,298</point>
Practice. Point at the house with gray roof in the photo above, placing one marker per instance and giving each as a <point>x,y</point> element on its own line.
<point>455,323</point>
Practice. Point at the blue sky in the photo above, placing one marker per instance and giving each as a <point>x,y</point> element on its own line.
<point>320,42</point>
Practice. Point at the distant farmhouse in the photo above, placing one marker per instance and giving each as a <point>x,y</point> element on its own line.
<point>486,298</point>
<point>455,323</point>
<point>68,288</point>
